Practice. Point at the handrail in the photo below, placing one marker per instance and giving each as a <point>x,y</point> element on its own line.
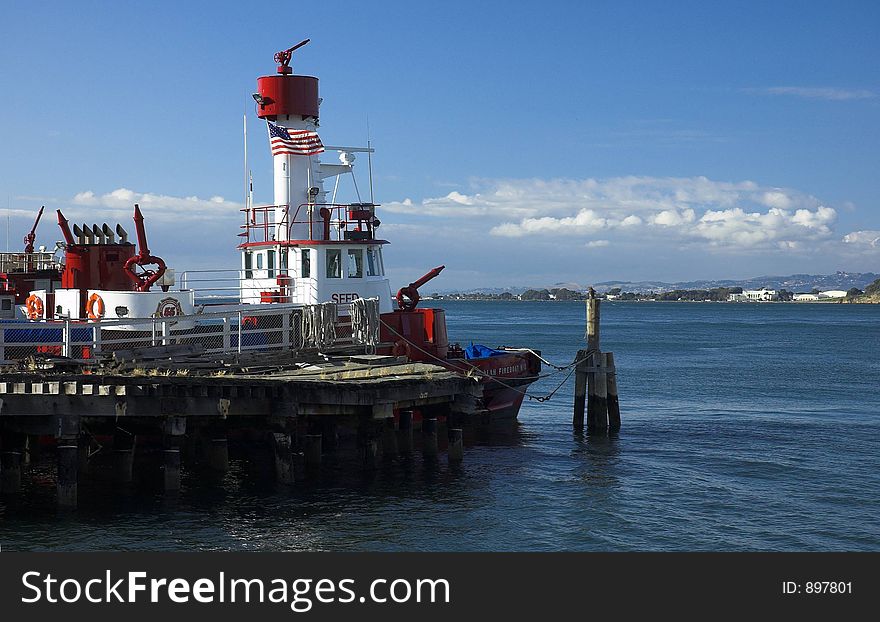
<point>261,218</point>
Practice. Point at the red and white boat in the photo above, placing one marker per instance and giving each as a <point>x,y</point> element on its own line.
<point>305,249</point>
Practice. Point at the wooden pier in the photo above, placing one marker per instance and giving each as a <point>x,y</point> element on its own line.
<point>299,410</point>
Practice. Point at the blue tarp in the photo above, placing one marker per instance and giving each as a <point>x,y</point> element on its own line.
<point>477,351</point>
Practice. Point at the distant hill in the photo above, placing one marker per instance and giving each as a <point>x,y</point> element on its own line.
<point>793,283</point>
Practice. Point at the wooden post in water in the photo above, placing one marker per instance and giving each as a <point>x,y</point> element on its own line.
<point>455,452</point>
<point>389,438</point>
<point>593,321</point>
<point>68,461</point>
<point>580,389</point>
<point>312,449</point>
<point>613,402</point>
<point>405,432</point>
<point>429,436</point>
<point>123,451</point>
<point>173,431</point>
<point>10,462</point>
<point>597,395</point>
<point>218,452</point>
<point>283,458</point>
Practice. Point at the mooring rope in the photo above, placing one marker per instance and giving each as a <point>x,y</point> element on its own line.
<point>474,369</point>
<point>365,323</point>
<point>319,325</point>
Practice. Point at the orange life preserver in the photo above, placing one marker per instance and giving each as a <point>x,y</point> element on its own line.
<point>95,299</point>
<point>34,306</point>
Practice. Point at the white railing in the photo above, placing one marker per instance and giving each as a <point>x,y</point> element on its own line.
<point>276,327</point>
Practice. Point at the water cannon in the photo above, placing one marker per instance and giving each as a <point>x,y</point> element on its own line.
<point>31,237</point>
<point>408,297</point>
<point>146,277</point>
<point>284,56</point>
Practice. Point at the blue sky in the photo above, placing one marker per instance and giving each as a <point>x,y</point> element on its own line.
<point>517,143</point>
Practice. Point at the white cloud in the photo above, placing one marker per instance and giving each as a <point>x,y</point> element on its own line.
<point>867,238</point>
<point>597,243</point>
<point>827,93</point>
<point>120,203</point>
<point>695,210</point>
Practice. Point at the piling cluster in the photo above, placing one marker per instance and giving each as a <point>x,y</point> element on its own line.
<point>595,381</point>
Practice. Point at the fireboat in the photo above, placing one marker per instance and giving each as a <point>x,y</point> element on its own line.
<point>304,250</point>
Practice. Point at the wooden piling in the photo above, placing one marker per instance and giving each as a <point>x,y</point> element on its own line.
<point>67,454</point>
<point>82,453</point>
<point>285,468</point>
<point>405,432</point>
<point>218,454</point>
<point>580,389</point>
<point>330,434</point>
<point>455,452</point>
<point>613,402</point>
<point>429,437</point>
<point>389,438</point>
<point>171,468</point>
<point>173,431</point>
<point>597,395</point>
<point>593,322</point>
<point>123,452</point>
<point>312,449</point>
<point>10,461</point>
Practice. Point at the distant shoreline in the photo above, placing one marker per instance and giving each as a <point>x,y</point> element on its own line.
<point>843,301</point>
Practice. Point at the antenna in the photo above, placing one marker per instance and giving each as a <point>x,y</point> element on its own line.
<point>247,203</point>
<point>370,161</point>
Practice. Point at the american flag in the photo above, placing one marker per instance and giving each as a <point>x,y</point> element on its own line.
<point>296,142</point>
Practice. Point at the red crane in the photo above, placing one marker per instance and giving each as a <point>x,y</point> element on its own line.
<point>32,235</point>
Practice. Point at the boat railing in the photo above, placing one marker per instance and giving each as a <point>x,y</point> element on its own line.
<point>356,220</point>
<point>262,328</point>
<point>28,262</point>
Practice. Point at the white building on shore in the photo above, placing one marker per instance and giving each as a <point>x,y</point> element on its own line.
<point>833,293</point>
<point>805,297</point>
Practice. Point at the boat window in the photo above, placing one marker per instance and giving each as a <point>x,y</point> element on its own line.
<point>334,263</point>
<point>270,263</point>
<point>306,260</point>
<point>283,257</point>
<point>355,263</point>
<point>372,262</point>
<point>248,265</point>
<point>381,262</point>
<point>259,261</point>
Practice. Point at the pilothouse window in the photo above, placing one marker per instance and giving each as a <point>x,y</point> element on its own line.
<point>306,269</point>
<point>372,262</point>
<point>334,263</point>
<point>248,265</point>
<point>355,263</point>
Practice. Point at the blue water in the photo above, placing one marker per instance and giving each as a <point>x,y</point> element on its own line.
<point>745,427</point>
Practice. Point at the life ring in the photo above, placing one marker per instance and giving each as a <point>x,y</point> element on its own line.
<point>94,314</point>
<point>402,348</point>
<point>34,306</point>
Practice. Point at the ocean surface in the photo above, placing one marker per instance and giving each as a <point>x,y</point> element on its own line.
<point>745,427</point>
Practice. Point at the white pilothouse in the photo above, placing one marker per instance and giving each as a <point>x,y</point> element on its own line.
<point>305,249</point>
